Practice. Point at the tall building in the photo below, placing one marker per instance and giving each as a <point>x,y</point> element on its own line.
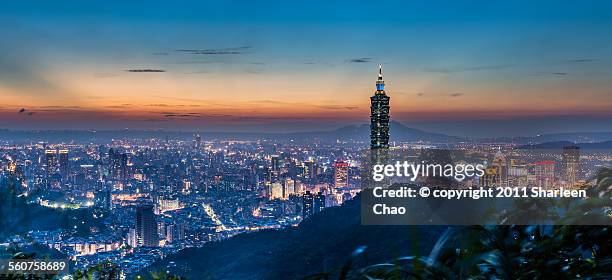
<point>545,174</point>
<point>197,142</point>
<point>117,164</point>
<point>319,202</point>
<point>340,174</point>
<point>146,226</point>
<point>63,162</point>
<point>175,232</point>
<point>518,175</point>
<point>307,204</point>
<point>500,163</point>
<point>276,191</point>
<point>274,168</point>
<point>310,170</point>
<point>186,187</point>
<point>112,157</point>
<point>131,238</point>
<point>379,117</point>
<point>107,199</point>
<point>51,162</point>
<point>170,233</point>
<point>288,188</point>
<point>571,164</point>
<point>490,178</point>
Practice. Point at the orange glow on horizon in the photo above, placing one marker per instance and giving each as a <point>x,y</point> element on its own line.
<point>315,96</point>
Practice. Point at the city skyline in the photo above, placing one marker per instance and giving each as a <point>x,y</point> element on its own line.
<point>305,140</point>
<point>467,70</point>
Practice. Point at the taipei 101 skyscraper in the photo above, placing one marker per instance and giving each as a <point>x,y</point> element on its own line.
<point>379,116</point>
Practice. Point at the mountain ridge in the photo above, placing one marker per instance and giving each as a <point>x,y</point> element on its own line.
<point>558,145</point>
<point>321,243</point>
<point>355,132</point>
<point>399,132</point>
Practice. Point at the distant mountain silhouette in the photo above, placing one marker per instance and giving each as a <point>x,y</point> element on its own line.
<point>560,144</point>
<point>322,243</point>
<point>576,137</point>
<point>398,131</point>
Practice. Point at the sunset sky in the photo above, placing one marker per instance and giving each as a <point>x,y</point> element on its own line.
<point>473,68</point>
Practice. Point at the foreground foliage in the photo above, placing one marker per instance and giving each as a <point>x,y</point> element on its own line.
<point>508,251</point>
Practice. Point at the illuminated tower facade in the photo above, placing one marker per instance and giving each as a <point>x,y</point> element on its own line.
<point>307,204</point>
<point>341,174</point>
<point>146,226</point>
<point>500,163</point>
<point>310,170</point>
<point>545,174</point>
<point>197,142</point>
<point>571,164</point>
<point>63,162</point>
<point>52,163</point>
<point>379,116</point>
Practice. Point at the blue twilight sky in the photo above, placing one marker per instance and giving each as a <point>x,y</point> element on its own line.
<point>477,68</point>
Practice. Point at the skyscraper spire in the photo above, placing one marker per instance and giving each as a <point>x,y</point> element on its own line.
<point>380,83</point>
<point>379,115</point>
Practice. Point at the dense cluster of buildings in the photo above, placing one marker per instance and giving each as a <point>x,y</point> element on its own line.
<point>547,170</point>
<point>173,194</point>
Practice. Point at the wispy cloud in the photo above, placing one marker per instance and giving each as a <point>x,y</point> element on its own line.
<point>147,70</point>
<point>60,107</point>
<point>456,94</point>
<point>360,60</point>
<point>580,60</point>
<point>221,51</point>
<point>120,106</point>
<point>63,109</point>
<point>194,116</point>
<point>337,107</point>
<point>23,111</point>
